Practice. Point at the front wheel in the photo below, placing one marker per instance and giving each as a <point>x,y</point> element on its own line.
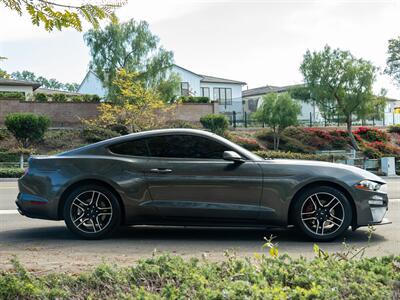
<point>322,213</point>
<point>92,212</point>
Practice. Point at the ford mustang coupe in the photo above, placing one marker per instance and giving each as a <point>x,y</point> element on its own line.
<point>193,177</point>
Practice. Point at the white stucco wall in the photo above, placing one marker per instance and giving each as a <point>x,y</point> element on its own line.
<point>28,90</point>
<point>92,85</point>
<point>191,78</point>
<point>237,104</point>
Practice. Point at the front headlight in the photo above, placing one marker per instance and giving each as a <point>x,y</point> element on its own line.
<point>368,185</point>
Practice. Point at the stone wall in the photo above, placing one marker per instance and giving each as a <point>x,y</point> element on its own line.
<point>69,114</point>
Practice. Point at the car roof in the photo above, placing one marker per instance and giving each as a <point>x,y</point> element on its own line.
<point>142,134</point>
<point>100,147</point>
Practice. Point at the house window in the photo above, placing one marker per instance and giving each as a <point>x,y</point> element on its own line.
<point>223,95</point>
<point>184,88</point>
<point>205,92</point>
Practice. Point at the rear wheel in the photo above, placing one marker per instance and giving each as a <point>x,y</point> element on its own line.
<point>92,212</point>
<point>322,213</point>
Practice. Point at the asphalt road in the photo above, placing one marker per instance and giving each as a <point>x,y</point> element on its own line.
<point>48,245</point>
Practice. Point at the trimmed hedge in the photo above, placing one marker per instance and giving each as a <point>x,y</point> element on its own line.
<point>172,277</point>
<point>215,123</point>
<point>302,156</point>
<point>193,99</point>
<point>12,96</point>
<point>11,173</point>
<point>9,157</point>
<point>62,98</point>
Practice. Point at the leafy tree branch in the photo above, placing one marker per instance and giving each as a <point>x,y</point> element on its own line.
<point>55,15</point>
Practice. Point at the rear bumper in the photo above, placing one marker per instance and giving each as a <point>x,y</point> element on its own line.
<point>34,207</point>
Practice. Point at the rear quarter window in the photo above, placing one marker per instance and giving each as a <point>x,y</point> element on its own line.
<point>131,148</point>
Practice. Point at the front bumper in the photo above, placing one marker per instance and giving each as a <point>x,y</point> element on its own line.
<point>371,208</point>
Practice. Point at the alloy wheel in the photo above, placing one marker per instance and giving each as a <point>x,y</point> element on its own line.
<point>91,211</point>
<point>322,214</point>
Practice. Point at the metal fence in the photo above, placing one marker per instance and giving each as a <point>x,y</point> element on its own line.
<point>247,120</point>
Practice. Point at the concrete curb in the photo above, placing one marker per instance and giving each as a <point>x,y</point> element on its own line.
<point>8,179</point>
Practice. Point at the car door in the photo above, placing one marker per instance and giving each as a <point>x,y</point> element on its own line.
<point>189,180</point>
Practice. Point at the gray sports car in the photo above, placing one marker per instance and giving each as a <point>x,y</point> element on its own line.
<point>193,177</point>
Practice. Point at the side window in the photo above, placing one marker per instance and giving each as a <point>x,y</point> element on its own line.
<point>133,148</point>
<point>185,146</point>
<point>185,89</point>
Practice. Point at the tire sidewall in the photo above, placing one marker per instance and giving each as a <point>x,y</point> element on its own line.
<point>322,189</point>
<point>115,218</point>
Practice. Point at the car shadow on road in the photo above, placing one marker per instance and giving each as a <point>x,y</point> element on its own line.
<point>51,234</point>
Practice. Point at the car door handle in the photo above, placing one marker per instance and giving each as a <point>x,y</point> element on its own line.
<point>160,171</point>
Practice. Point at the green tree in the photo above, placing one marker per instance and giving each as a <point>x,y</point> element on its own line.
<point>340,82</point>
<point>141,108</point>
<point>46,83</point>
<point>278,111</point>
<point>130,46</point>
<point>27,128</point>
<point>393,60</point>
<point>3,74</point>
<point>56,15</point>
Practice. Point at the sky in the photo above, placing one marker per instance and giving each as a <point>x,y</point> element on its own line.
<point>259,42</point>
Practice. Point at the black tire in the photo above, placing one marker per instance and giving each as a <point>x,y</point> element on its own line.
<point>95,209</point>
<point>335,207</point>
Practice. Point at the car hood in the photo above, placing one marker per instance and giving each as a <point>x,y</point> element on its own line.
<point>315,165</point>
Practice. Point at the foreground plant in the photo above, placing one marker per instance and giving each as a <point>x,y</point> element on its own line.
<point>171,277</point>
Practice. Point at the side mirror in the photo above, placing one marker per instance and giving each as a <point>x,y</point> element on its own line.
<point>232,156</point>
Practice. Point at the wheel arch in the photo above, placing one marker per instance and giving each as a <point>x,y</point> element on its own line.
<point>330,184</point>
<point>88,181</point>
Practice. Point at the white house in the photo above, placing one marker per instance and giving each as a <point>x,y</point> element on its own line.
<point>252,99</point>
<point>392,112</point>
<point>227,92</point>
<point>92,85</point>
<point>19,86</point>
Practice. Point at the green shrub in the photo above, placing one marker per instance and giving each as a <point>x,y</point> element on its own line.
<point>11,173</point>
<point>181,124</point>
<point>302,156</point>
<point>12,95</point>
<point>215,123</point>
<point>394,128</point>
<point>40,97</point>
<point>248,143</point>
<point>172,277</point>
<point>59,97</point>
<point>385,149</point>
<point>90,98</point>
<point>371,152</point>
<point>9,157</point>
<point>60,139</point>
<point>97,134</point>
<point>3,134</point>
<point>193,99</point>
<point>319,139</point>
<point>120,129</point>
<point>27,128</point>
<point>287,143</point>
<point>372,134</point>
